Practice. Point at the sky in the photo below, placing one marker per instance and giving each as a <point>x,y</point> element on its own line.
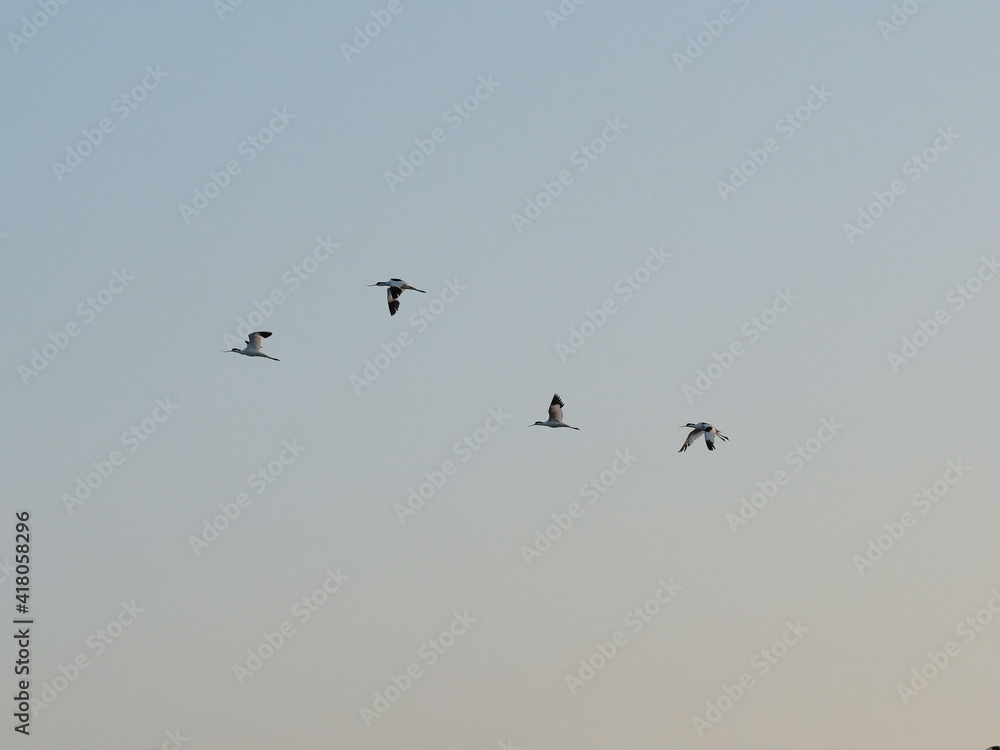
<point>774,217</point>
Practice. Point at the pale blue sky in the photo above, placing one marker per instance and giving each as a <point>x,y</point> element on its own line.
<point>494,346</point>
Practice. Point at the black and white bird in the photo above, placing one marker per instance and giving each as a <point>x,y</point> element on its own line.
<point>555,415</point>
<point>702,428</point>
<point>253,346</point>
<point>396,287</point>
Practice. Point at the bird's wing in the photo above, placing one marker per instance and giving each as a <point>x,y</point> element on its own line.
<point>692,436</point>
<point>709,440</point>
<point>253,342</point>
<point>392,294</point>
<point>556,407</point>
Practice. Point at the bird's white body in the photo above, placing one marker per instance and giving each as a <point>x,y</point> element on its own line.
<point>555,415</point>
<point>395,288</point>
<point>702,428</point>
<point>253,346</point>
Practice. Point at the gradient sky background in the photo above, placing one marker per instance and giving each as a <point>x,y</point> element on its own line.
<point>503,682</point>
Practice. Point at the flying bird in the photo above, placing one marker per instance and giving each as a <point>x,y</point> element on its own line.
<point>555,415</point>
<point>396,287</point>
<point>253,346</point>
<point>702,428</point>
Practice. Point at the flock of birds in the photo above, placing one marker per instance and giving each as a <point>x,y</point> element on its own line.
<point>395,288</point>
